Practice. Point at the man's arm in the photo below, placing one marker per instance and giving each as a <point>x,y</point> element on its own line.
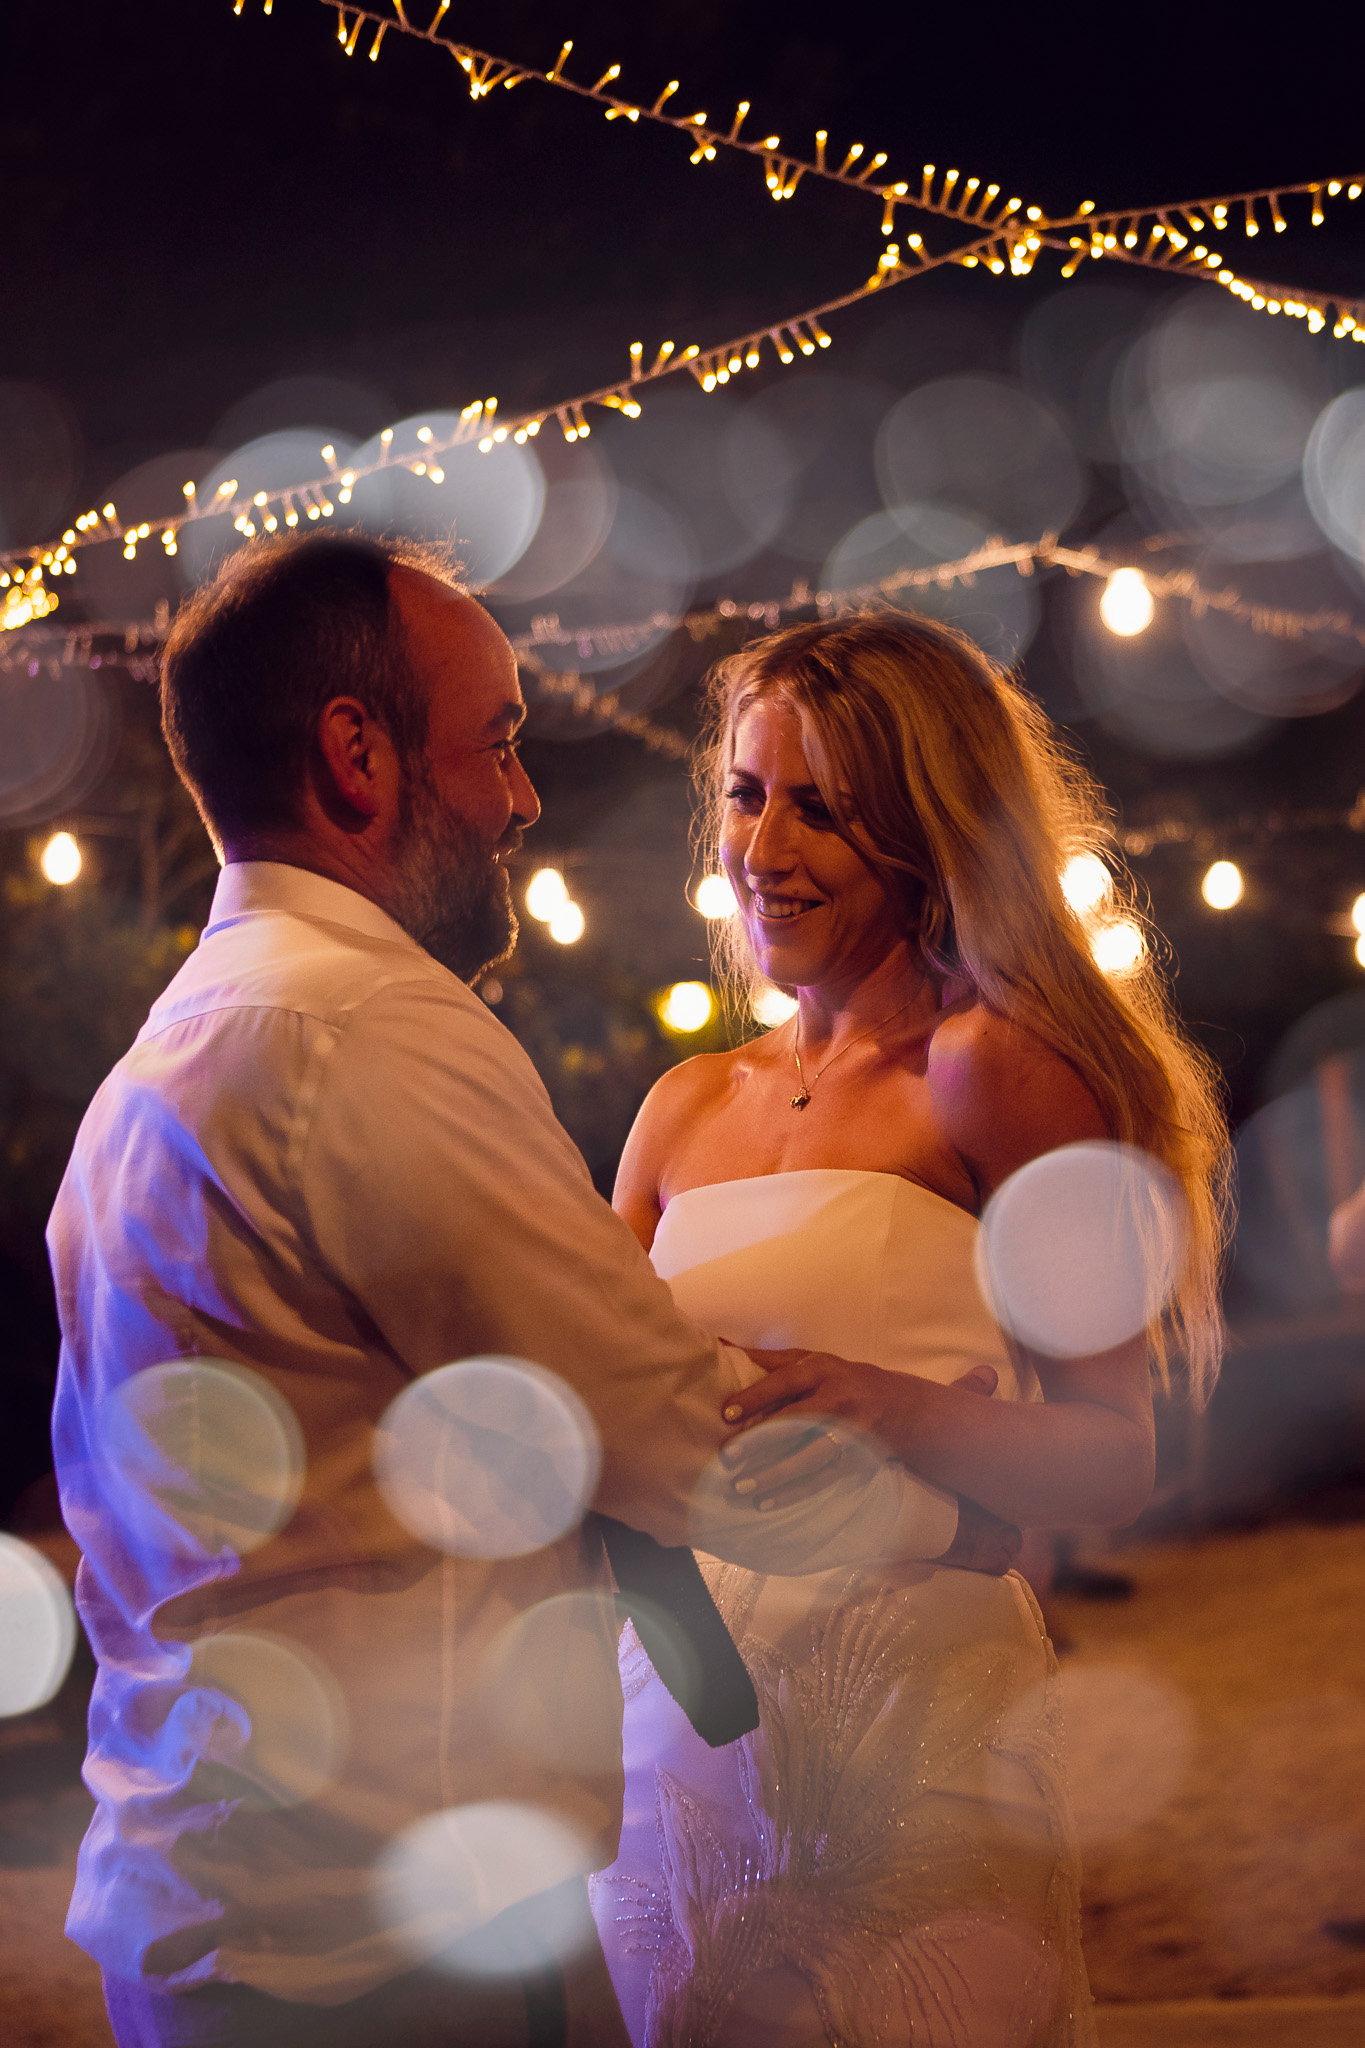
<point>443,1195</point>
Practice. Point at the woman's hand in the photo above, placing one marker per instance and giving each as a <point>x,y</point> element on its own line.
<point>767,1468</point>
<point>875,1403</point>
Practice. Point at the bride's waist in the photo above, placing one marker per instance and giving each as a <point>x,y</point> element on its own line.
<point>942,1605</point>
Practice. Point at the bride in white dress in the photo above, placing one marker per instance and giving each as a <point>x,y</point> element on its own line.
<point>889,1859</point>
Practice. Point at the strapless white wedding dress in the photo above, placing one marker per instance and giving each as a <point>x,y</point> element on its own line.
<point>889,1859</point>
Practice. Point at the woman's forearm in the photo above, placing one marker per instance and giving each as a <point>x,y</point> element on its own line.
<point>1047,1464</point>
<point>1081,1457</point>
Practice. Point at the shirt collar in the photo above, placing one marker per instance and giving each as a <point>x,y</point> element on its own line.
<point>251,886</point>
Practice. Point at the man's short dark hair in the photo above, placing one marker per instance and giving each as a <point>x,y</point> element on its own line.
<point>253,657</point>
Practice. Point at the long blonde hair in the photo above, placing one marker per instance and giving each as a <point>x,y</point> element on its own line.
<point>969,809</point>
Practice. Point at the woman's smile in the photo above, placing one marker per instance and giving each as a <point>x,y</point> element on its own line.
<point>782,909</point>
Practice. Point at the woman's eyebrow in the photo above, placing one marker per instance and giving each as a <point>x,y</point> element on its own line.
<point>801,789</point>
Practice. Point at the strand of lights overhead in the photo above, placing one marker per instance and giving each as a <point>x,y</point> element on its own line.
<point>1152,237</point>
<point>266,512</point>
<point>25,597</point>
<point>1014,245</point>
<point>1346,316</point>
<point>1168,231</point>
<point>1132,587</point>
<point>585,702</point>
<point>1252,827</point>
<point>968,199</point>
<point>1178,237</point>
<point>1137,588</point>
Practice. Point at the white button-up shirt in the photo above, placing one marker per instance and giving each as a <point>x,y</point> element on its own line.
<point>326,1161</point>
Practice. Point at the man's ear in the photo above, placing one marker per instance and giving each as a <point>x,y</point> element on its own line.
<point>358,757</point>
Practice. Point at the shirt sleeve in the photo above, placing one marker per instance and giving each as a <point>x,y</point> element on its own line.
<point>444,1196</point>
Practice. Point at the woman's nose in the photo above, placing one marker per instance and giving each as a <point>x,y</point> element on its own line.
<point>769,851</point>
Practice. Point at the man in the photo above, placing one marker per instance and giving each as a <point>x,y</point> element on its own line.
<point>325,1163</point>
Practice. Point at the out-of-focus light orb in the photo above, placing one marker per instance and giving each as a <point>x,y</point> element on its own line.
<point>1080,1249</point>
<point>1130,1740</point>
<point>1118,948</point>
<point>490,1457</point>
<point>575,1723</point>
<point>686,1007</point>
<point>715,897</point>
<point>289,1737</point>
<point>37,1628</point>
<point>60,859</point>
<point>1222,886</point>
<point>439,1885</point>
<point>1334,472</point>
<point>1086,881</point>
<point>1127,605</point>
<point>566,924</point>
<point>205,1448</point>
<point>546,892</point>
<point>1358,913</point>
<point>771,1007</point>
<point>1360,950</point>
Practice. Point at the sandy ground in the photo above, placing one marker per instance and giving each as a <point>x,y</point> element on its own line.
<point>1216,1731</point>
<point>1217,1740</point>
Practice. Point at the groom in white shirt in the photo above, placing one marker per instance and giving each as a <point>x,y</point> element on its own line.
<point>326,1163</point>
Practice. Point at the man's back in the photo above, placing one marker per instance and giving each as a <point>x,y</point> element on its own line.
<point>258,1182</point>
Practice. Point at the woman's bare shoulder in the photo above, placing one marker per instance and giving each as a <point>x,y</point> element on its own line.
<point>670,1111</point>
<point>1003,1095</point>
<point>691,1086</point>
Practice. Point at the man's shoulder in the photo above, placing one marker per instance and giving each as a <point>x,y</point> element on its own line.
<point>304,967</point>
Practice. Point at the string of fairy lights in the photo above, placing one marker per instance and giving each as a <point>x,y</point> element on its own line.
<point>1127,607</point>
<point>1005,236</point>
<point>25,596</point>
<point>1162,237</point>
<point>1153,237</point>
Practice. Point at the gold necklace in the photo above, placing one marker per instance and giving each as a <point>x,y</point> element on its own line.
<point>799,1101</point>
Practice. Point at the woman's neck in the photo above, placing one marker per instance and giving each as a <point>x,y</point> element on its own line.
<point>898,985</point>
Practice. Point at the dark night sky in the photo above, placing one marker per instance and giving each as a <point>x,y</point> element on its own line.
<point>197,202</point>
<point>197,205</point>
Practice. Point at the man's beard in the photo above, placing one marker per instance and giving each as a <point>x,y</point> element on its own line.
<point>449,892</point>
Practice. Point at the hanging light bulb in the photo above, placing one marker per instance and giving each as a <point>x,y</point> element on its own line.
<point>1086,881</point>
<point>60,859</point>
<point>715,897</point>
<point>1127,605</point>
<point>1118,948</point>
<point>566,923</point>
<point>687,1006</point>
<point>771,1007</point>
<point>1358,913</point>
<point>1222,885</point>
<point>546,892</point>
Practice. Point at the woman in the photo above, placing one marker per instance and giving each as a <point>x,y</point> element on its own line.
<point>890,1858</point>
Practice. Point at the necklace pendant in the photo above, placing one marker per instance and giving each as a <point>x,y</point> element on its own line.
<point>800,1101</point>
